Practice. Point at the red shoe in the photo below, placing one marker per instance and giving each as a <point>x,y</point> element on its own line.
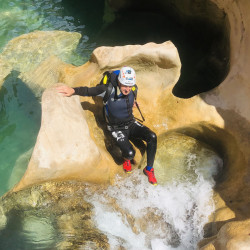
<point>151,176</point>
<point>127,166</point>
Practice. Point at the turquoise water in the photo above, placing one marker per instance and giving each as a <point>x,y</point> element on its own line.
<point>21,17</point>
<point>30,232</point>
<point>20,109</point>
<point>20,120</point>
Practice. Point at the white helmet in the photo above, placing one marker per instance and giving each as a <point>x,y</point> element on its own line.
<point>127,76</point>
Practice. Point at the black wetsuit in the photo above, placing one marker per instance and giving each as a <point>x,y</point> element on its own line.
<point>120,120</point>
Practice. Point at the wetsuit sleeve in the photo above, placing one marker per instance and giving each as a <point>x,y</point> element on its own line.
<point>93,91</point>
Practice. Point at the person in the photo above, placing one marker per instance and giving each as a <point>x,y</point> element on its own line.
<point>118,90</point>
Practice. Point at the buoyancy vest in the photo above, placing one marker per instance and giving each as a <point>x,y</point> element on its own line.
<point>117,108</point>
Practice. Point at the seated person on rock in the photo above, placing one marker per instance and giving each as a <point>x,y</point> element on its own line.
<point>118,91</point>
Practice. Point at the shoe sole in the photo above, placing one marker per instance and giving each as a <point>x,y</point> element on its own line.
<point>127,172</point>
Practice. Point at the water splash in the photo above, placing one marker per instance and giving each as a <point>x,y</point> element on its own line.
<point>137,215</point>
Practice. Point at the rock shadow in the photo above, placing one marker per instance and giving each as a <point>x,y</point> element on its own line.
<point>20,113</point>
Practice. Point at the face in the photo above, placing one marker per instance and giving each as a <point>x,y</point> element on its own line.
<point>125,89</point>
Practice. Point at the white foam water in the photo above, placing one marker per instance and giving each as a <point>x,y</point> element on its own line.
<point>170,216</point>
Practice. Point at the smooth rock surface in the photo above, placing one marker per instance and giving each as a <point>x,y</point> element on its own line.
<point>64,148</point>
<point>52,214</point>
<point>233,235</point>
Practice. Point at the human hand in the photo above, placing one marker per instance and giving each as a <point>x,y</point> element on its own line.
<point>65,90</point>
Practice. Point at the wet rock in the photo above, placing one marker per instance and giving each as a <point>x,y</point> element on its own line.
<point>64,148</point>
<point>233,235</point>
<point>45,75</point>
<point>182,158</point>
<point>54,211</point>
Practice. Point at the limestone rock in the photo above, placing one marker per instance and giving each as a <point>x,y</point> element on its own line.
<point>233,235</point>
<point>157,68</point>
<point>164,56</point>
<point>64,148</point>
<point>157,65</point>
<point>51,209</point>
<point>72,153</point>
<point>223,212</point>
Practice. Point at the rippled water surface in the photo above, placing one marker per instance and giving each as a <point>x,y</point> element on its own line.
<point>31,232</point>
<point>21,17</point>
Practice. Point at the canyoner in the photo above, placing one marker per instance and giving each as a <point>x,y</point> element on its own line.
<point>109,78</point>
<point>119,92</point>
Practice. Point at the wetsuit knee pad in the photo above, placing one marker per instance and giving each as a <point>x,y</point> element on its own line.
<point>152,137</point>
<point>129,155</point>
